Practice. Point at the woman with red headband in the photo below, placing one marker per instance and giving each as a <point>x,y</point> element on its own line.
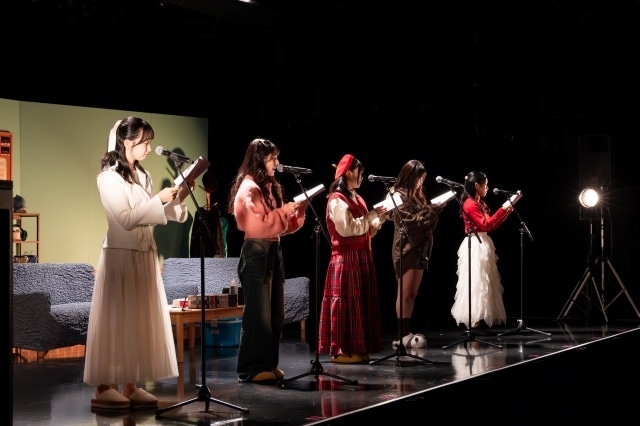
<point>350,320</point>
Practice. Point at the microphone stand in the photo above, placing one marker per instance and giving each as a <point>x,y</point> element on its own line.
<point>470,336</point>
<point>523,230</point>
<point>316,367</point>
<point>204,395</point>
<point>401,350</point>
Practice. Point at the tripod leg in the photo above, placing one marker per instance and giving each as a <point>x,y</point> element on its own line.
<point>574,295</point>
<point>602,309</point>
<point>537,331</point>
<point>513,330</point>
<point>624,290</point>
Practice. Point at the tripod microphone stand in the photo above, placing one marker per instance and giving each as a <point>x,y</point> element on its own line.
<point>588,275</point>
<point>521,326</point>
<point>401,350</point>
<point>316,367</point>
<point>470,336</point>
<point>204,395</point>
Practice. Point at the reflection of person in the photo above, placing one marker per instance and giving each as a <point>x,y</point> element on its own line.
<point>214,244</point>
<point>129,337</point>
<point>487,306</point>
<point>256,201</point>
<point>414,249</point>
<point>350,320</point>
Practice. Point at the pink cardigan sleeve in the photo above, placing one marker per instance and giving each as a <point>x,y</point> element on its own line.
<point>256,220</point>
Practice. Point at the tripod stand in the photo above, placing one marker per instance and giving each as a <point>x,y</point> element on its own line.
<point>401,350</point>
<point>588,275</point>
<point>204,395</point>
<point>316,367</point>
<point>470,336</point>
<point>521,326</point>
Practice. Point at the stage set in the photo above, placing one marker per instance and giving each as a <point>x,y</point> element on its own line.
<point>562,369</point>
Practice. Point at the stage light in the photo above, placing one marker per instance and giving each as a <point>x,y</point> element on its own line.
<point>589,198</point>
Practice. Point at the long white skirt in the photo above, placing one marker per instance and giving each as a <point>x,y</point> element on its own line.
<point>486,288</point>
<point>129,338</point>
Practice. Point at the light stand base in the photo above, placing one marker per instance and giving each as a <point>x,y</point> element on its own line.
<point>520,328</point>
<point>401,350</point>
<point>581,288</point>
<point>471,338</point>
<point>316,370</point>
<point>204,395</point>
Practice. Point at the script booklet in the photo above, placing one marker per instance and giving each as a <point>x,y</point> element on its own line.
<point>512,200</point>
<point>310,193</point>
<point>195,170</point>
<point>443,198</point>
<point>388,203</point>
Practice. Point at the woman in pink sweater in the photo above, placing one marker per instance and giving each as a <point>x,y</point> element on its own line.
<point>257,203</point>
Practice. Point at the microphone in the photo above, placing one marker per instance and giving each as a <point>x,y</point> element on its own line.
<point>173,155</point>
<point>440,179</point>
<point>294,170</point>
<point>374,178</point>
<point>502,191</point>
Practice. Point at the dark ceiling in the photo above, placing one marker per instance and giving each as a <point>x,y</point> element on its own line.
<point>502,60</point>
<point>505,86</point>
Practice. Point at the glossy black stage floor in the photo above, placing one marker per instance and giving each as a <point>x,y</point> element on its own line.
<point>578,372</point>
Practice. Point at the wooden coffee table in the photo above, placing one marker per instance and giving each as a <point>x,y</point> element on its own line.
<point>192,317</point>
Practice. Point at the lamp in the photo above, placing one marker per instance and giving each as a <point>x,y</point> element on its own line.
<point>589,198</point>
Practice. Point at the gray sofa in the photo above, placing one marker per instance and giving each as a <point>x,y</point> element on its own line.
<point>182,277</point>
<point>51,303</point>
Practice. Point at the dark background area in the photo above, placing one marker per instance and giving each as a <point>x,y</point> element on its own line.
<point>540,95</point>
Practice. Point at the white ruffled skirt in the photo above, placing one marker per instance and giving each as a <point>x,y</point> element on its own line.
<point>486,288</point>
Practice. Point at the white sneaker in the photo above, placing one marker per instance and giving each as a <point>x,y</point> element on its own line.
<point>406,341</point>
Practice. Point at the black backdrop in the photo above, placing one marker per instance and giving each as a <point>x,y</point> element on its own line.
<point>508,88</point>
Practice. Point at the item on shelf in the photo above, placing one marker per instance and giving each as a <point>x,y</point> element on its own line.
<point>19,204</point>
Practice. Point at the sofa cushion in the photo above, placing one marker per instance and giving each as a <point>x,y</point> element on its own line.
<point>74,319</point>
<point>66,282</point>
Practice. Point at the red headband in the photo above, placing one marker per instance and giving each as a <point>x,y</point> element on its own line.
<point>344,165</point>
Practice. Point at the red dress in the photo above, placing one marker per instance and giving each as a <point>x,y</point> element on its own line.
<point>350,317</point>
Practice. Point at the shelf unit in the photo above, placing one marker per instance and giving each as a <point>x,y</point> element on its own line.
<point>18,219</point>
<point>6,149</point>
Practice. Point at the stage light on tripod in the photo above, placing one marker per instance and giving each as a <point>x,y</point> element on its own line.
<point>589,198</point>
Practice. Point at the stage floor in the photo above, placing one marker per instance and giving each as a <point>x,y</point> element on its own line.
<point>539,364</point>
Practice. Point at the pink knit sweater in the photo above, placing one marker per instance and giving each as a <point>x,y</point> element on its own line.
<point>254,218</point>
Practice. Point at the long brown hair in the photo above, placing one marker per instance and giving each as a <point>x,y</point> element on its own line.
<point>408,178</point>
<point>253,165</point>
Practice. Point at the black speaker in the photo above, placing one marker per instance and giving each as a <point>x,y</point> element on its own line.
<point>595,161</point>
<point>6,259</point>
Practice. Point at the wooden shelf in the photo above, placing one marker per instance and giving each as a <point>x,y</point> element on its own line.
<point>18,219</point>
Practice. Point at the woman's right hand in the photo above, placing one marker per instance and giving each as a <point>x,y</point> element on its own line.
<point>168,194</point>
<point>381,211</point>
<point>293,206</point>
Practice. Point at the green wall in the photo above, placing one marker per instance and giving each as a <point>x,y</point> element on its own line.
<point>56,158</point>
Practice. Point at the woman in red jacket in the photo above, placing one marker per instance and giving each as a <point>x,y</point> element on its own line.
<point>487,307</point>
